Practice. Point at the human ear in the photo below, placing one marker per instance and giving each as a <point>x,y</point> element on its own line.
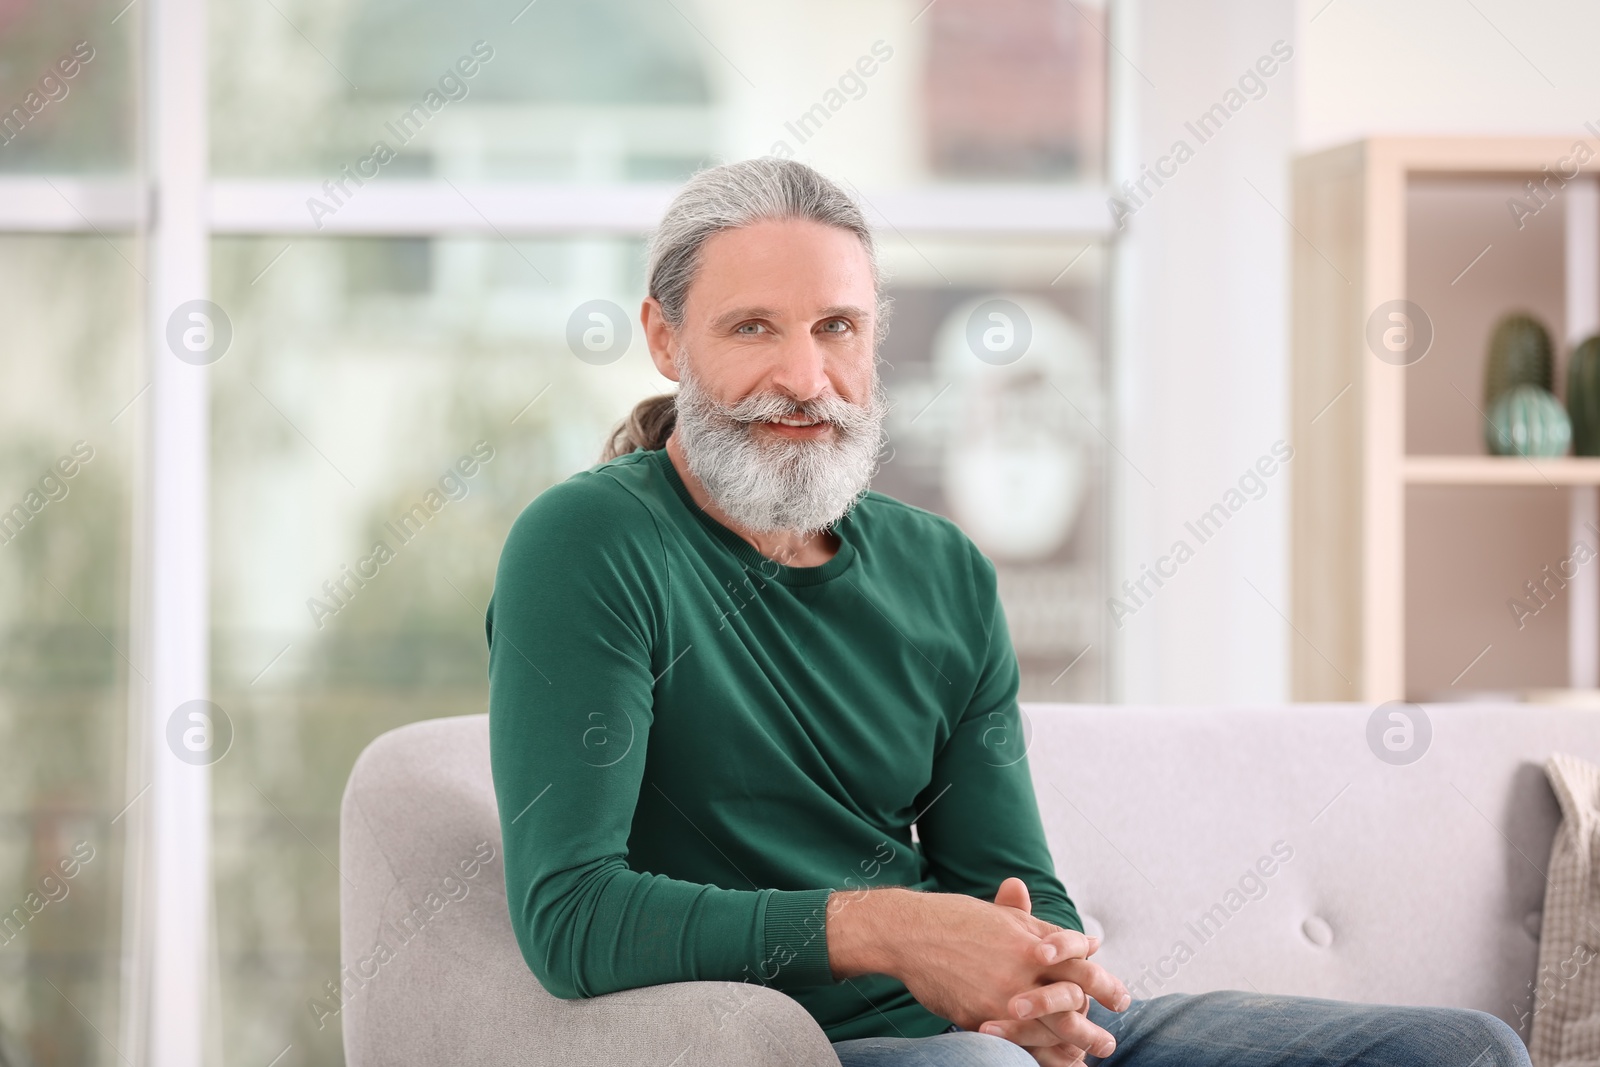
<point>661,338</point>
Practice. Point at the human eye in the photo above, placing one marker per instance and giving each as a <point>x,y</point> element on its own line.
<point>836,326</point>
<point>749,329</point>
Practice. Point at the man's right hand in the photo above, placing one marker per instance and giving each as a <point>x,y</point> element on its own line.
<point>965,959</point>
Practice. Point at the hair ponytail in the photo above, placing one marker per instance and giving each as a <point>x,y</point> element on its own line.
<point>647,426</point>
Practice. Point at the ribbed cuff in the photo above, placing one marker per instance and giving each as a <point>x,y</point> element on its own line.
<point>795,935</point>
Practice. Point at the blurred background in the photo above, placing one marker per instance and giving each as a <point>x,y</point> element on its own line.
<point>359,338</point>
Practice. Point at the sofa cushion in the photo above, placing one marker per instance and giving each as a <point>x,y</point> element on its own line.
<point>1566,989</point>
<point>1409,883</point>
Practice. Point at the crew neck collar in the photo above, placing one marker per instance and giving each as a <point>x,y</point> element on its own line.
<point>745,552</point>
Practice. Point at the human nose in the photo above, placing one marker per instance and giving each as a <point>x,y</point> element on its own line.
<point>801,370</point>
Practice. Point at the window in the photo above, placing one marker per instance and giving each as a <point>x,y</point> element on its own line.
<point>280,338</point>
<point>69,387</point>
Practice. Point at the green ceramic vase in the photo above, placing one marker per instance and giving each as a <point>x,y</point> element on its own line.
<point>1583,397</point>
<point>1519,354</point>
<point>1528,421</point>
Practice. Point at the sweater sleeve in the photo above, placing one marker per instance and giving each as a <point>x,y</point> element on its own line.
<point>980,817</point>
<point>576,628</point>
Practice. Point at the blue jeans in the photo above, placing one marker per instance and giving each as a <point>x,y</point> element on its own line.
<point>1232,1029</point>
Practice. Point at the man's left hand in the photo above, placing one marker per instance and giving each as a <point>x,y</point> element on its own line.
<point>1051,1020</point>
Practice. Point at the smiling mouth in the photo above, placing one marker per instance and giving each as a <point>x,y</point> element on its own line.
<point>795,420</point>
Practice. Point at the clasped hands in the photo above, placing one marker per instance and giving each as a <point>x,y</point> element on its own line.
<point>1051,1020</point>
<point>994,968</point>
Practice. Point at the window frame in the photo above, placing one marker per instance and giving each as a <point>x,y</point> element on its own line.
<point>173,209</point>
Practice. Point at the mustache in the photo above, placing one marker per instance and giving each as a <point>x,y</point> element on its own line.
<point>841,413</point>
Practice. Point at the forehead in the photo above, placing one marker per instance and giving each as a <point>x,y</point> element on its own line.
<point>793,265</point>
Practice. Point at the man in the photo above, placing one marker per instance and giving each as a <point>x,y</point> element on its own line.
<point>743,711</point>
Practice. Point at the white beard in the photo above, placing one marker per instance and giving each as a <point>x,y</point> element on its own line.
<point>777,484</point>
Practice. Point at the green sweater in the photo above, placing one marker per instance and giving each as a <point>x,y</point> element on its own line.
<point>693,745</point>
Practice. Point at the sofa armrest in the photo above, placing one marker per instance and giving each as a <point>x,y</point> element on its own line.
<point>431,973</point>
<point>455,996</point>
<point>715,1024</point>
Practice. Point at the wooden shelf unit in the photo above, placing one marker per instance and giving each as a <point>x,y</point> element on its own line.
<point>1349,408</point>
<point>1500,470</point>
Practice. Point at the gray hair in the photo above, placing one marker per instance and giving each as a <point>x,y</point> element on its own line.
<point>727,197</point>
<point>738,194</point>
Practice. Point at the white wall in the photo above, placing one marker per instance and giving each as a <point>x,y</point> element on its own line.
<point>1202,349</point>
<point>1202,318</point>
<point>1446,67</point>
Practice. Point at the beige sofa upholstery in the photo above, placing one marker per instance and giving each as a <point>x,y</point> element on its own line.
<point>1214,848</point>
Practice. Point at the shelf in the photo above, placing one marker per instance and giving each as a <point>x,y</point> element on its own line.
<point>1501,470</point>
<point>1394,592</point>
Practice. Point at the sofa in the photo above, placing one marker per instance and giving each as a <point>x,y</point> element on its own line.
<point>1296,849</point>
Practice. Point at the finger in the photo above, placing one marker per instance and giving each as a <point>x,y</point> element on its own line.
<point>1075,1030</point>
<point>1057,1056</point>
<point>1040,927</point>
<point>1094,980</point>
<point>1029,1033</point>
<point>1070,1031</point>
<point>1049,999</point>
<point>1014,894</point>
<point>1065,945</point>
